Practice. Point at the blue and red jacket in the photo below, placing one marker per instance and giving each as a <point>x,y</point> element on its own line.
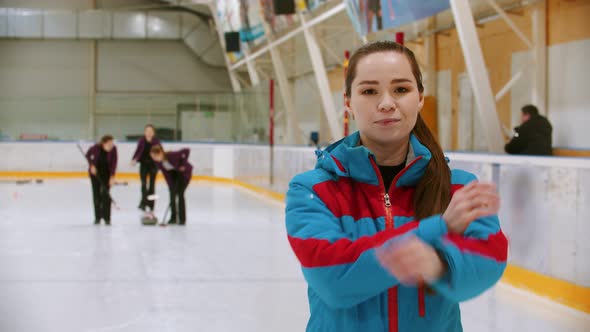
<point>337,217</point>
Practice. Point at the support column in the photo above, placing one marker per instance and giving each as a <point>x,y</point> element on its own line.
<point>254,79</point>
<point>293,132</point>
<point>478,74</point>
<point>539,79</point>
<point>321,77</point>
<point>430,47</point>
<point>92,92</point>
<point>92,87</point>
<point>271,128</point>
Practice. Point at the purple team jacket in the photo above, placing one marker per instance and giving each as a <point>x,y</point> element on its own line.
<point>93,154</point>
<point>141,146</point>
<point>177,159</point>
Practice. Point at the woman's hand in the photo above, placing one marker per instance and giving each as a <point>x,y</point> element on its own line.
<point>469,203</point>
<point>133,163</point>
<point>92,170</point>
<point>411,261</point>
<point>111,181</point>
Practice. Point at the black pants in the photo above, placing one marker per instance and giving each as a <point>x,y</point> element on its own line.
<point>147,169</point>
<point>179,184</point>
<point>102,200</point>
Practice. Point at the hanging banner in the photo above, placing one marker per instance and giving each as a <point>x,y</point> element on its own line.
<point>243,16</point>
<point>247,17</point>
<point>251,27</point>
<point>314,4</point>
<point>373,15</point>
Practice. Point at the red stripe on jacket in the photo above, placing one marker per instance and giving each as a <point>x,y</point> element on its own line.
<point>368,199</point>
<point>321,253</point>
<point>346,197</point>
<point>495,247</point>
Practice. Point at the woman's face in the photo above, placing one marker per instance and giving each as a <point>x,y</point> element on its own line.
<point>108,146</point>
<point>384,98</point>
<point>157,157</point>
<point>149,133</point>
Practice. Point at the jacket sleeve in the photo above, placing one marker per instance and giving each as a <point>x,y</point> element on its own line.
<point>520,140</point>
<point>114,162</point>
<point>139,149</point>
<point>476,260</point>
<point>91,155</point>
<point>341,270</point>
<point>184,154</point>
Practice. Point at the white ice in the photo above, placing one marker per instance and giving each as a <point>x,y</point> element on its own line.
<point>229,269</point>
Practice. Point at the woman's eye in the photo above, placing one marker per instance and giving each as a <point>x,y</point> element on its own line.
<point>401,90</point>
<point>369,92</point>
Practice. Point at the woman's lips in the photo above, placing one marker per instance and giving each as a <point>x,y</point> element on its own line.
<point>387,122</point>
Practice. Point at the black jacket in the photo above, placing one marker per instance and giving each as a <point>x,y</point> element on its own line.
<point>532,137</point>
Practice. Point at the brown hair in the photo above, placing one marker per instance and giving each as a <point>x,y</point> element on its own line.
<point>433,192</point>
<point>157,149</point>
<point>106,139</point>
<point>530,110</point>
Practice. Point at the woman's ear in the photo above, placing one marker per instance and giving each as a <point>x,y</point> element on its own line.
<point>347,105</point>
<point>421,102</point>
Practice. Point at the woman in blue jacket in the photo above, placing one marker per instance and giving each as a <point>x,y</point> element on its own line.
<point>389,238</point>
<point>147,167</point>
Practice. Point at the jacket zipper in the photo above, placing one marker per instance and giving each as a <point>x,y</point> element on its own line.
<point>388,216</point>
<point>392,292</point>
<point>389,224</point>
<point>421,304</point>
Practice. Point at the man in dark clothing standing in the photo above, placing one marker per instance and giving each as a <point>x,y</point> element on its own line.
<point>102,160</point>
<point>533,136</point>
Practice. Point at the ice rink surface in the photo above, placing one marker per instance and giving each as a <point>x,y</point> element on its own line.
<point>229,269</point>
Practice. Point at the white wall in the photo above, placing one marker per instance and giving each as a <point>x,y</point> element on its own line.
<point>444,108</point>
<point>308,104</point>
<point>569,78</point>
<point>568,81</point>
<point>53,4</point>
<point>545,210</point>
<point>44,87</point>
<point>155,66</point>
<point>520,94</point>
<point>471,135</point>
<point>44,84</point>
<point>44,68</point>
<point>310,110</point>
<point>72,4</point>
<point>65,156</point>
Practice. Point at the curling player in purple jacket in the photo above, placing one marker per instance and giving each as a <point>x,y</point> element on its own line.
<point>178,172</point>
<point>102,160</point>
<point>147,167</point>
